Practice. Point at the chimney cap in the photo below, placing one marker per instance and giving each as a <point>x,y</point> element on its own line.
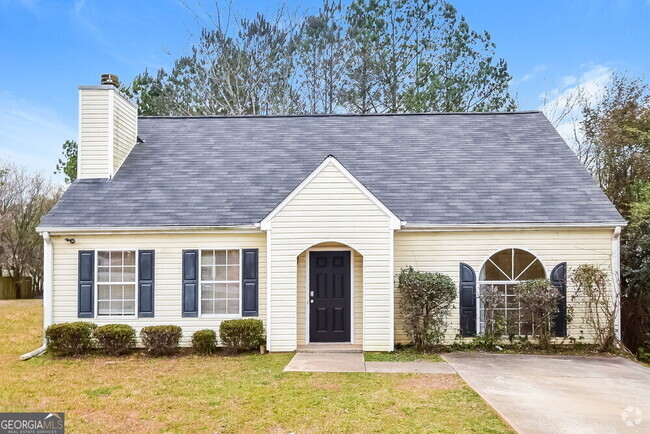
<point>110,79</point>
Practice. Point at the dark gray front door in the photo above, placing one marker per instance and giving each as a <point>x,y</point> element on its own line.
<point>329,297</point>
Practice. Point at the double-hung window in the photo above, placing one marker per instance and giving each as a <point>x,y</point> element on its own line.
<point>220,282</point>
<point>116,283</point>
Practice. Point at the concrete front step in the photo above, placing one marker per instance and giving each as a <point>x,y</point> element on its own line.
<point>330,348</point>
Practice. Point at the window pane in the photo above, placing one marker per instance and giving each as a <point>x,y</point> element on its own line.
<point>102,274</point>
<point>129,258</point>
<point>535,271</point>
<point>233,291</point>
<point>207,272</point>
<point>220,257</point>
<point>207,290</point>
<point>103,258</point>
<point>129,307</point>
<point>103,292</point>
<point>116,274</point>
<point>233,272</point>
<point>233,257</point>
<point>220,290</point>
<point>220,273</point>
<point>207,257</point>
<point>129,274</point>
<point>220,307</point>
<point>116,258</point>
<point>129,292</point>
<point>233,307</point>
<point>207,307</point>
<point>103,308</point>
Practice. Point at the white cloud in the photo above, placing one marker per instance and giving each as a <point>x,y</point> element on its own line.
<point>559,104</point>
<point>31,135</point>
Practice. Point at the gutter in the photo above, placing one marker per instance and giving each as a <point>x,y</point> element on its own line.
<point>146,229</point>
<point>415,227</point>
<point>48,276</point>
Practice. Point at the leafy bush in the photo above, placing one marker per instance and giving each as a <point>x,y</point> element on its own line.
<point>205,341</point>
<point>241,334</point>
<point>161,340</point>
<point>115,339</point>
<point>426,299</point>
<point>69,338</point>
<point>538,300</point>
<point>493,316</point>
<point>592,288</point>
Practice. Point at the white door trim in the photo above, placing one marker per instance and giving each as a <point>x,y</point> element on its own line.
<point>352,289</point>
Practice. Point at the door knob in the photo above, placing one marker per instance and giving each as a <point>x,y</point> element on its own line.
<point>311,293</point>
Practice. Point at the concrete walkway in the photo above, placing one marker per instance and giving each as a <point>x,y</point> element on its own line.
<point>561,394</point>
<point>354,362</point>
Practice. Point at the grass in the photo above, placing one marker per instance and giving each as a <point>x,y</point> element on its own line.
<point>406,354</point>
<point>247,393</point>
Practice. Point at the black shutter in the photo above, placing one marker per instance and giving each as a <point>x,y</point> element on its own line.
<point>190,283</point>
<point>85,301</point>
<point>250,282</point>
<point>467,300</point>
<point>146,273</point>
<point>558,279</point>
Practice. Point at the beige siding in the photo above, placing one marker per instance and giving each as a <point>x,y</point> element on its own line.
<point>107,131</point>
<point>94,133</point>
<point>357,287</point>
<point>331,208</point>
<point>168,290</point>
<point>444,251</point>
<point>125,120</point>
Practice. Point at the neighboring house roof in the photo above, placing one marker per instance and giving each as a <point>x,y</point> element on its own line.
<point>430,169</point>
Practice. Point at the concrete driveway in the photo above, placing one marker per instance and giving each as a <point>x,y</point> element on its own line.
<point>561,394</point>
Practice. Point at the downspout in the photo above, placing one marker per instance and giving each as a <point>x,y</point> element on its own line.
<point>48,266</point>
<point>616,279</point>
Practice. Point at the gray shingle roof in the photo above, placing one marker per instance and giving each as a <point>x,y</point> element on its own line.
<point>428,169</point>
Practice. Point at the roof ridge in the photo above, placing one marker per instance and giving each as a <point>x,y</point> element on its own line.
<point>342,115</point>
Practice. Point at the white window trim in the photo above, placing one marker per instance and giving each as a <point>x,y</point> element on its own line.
<point>220,316</point>
<point>116,318</point>
<point>352,289</point>
<point>480,282</point>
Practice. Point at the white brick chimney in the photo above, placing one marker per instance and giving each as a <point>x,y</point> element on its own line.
<point>108,128</point>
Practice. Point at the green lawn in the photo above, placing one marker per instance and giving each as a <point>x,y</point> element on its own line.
<point>222,394</point>
<point>406,354</point>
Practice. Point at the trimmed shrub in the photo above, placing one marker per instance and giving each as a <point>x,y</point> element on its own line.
<point>69,338</point>
<point>161,340</point>
<point>426,302</point>
<point>204,341</point>
<point>241,334</point>
<point>115,339</point>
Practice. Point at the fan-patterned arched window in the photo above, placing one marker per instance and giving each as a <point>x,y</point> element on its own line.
<point>499,277</point>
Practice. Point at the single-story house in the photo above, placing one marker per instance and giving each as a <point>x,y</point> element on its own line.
<point>305,221</point>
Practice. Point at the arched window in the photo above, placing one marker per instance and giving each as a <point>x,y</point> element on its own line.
<point>499,276</point>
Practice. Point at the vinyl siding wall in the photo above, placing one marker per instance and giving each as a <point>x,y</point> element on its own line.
<point>94,126</point>
<point>444,251</point>
<point>330,208</point>
<point>168,274</point>
<point>125,128</point>
<point>107,131</point>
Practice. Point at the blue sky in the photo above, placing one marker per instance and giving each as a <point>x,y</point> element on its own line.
<point>48,47</point>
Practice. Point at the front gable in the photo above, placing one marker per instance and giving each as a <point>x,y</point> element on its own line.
<point>334,193</point>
